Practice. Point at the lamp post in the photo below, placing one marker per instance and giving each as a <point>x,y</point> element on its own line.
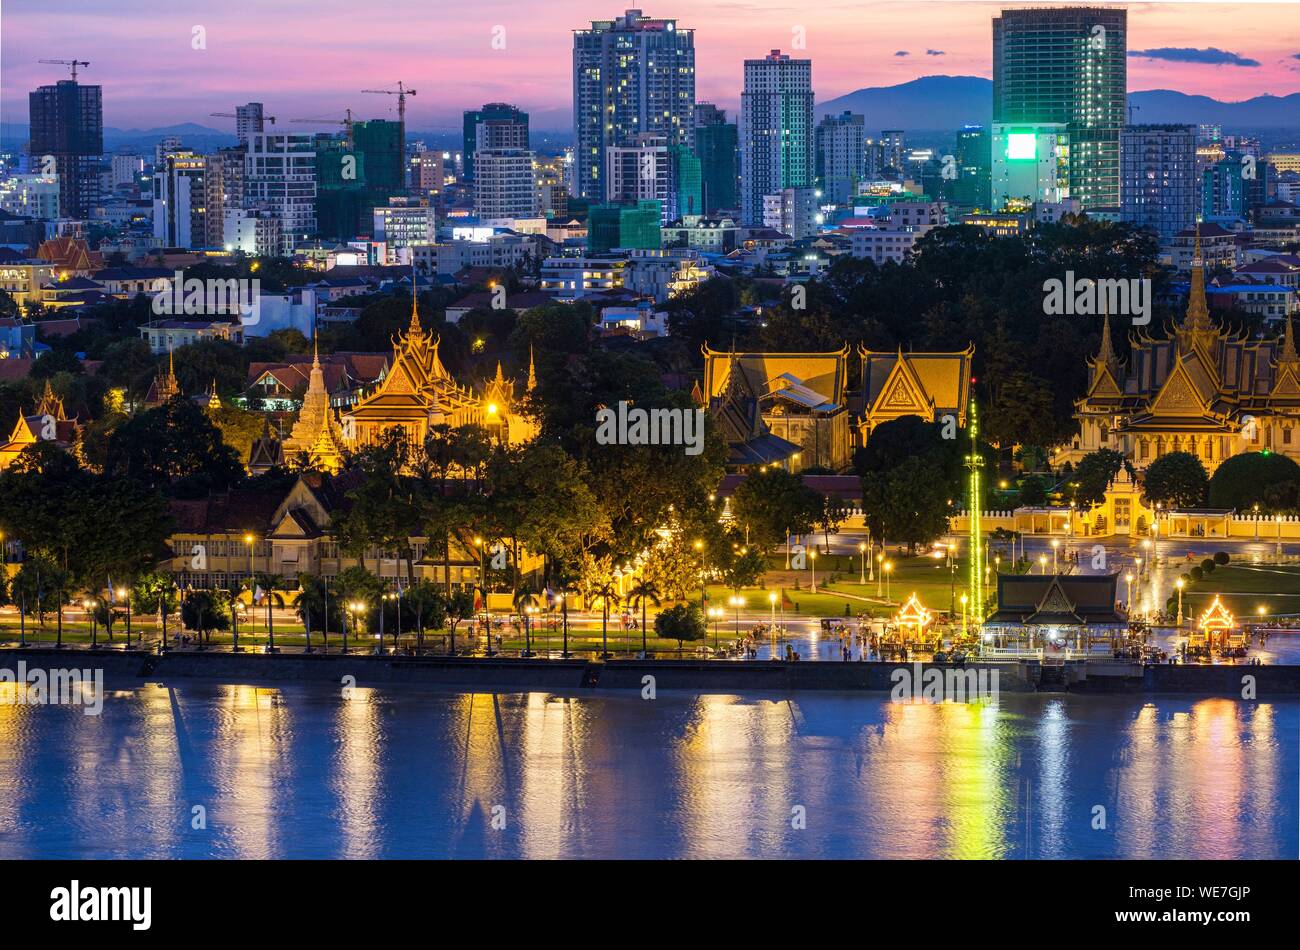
<point>862,563</point>
<point>1179,584</point>
<point>699,546</point>
<point>963,616</point>
<point>1279,535</point>
<point>124,594</point>
<point>1055,544</point>
<point>1042,564</point>
<point>889,569</point>
<point>714,614</point>
<point>812,563</point>
<point>1128,604</point>
<point>88,606</point>
<point>1255,509</point>
<point>880,559</point>
<point>354,608</point>
<point>771,600</point>
<point>737,602</point>
<point>1146,546</point>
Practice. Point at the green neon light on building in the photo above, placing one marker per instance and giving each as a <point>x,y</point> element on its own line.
<point>974,461</point>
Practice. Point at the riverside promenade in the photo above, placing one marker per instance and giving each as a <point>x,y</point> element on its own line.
<point>512,674</point>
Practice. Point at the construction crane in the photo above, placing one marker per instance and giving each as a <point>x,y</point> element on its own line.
<point>401,92</point>
<point>346,123</point>
<point>231,115</point>
<point>74,63</point>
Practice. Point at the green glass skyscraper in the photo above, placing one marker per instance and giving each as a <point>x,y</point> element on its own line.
<point>1067,65</point>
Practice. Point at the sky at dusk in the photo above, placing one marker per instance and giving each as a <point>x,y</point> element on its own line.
<point>311,58</point>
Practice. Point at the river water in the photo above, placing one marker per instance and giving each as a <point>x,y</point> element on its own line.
<point>206,770</point>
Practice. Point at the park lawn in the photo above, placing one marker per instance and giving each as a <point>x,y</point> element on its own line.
<point>1243,589</point>
<point>930,579</point>
<point>797,603</point>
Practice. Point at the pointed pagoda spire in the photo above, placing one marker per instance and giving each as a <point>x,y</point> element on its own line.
<point>1106,355</point>
<point>1198,310</point>
<point>415,330</point>
<point>1288,342</point>
<point>532,369</point>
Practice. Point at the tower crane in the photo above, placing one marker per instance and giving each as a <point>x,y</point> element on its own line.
<point>345,122</point>
<point>74,63</point>
<point>401,92</point>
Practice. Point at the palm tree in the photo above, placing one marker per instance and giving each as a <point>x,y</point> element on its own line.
<point>642,591</point>
<point>524,598</point>
<point>608,594</point>
<point>269,584</point>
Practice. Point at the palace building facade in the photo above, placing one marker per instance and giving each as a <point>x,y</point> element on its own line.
<point>798,410</point>
<point>1201,390</point>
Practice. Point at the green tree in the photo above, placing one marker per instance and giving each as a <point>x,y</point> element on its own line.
<point>1094,473</point>
<point>643,592</point>
<point>681,622</point>
<point>154,592</point>
<point>204,611</point>
<point>458,606</point>
<point>775,502</point>
<point>907,504</point>
<point>1251,478</point>
<point>1176,480</point>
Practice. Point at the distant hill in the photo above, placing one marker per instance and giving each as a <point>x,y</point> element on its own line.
<point>949,102</point>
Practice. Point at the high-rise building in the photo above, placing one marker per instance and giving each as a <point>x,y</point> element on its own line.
<point>425,171</point>
<point>791,211</point>
<point>715,145</point>
<point>126,169</point>
<point>1031,163</point>
<point>504,184</point>
<point>841,156</point>
<point>971,190</point>
<point>639,171</point>
<point>378,143</point>
<point>180,200</point>
<point>893,149</point>
<point>1234,187</point>
<point>776,130</point>
<point>67,139</point>
<point>1158,183</point>
<point>249,121</point>
<point>1067,65</point>
<point>507,127</point>
<point>280,177</point>
<point>631,75</point>
<point>30,196</point>
<point>686,182</point>
<point>225,190</point>
<point>552,189</point>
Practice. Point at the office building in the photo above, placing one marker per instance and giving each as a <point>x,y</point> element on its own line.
<point>1158,183</point>
<point>632,75</point>
<point>971,190</point>
<point>716,147</point>
<point>1067,66</point>
<point>1031,163</point>
<point>496,125</point>
<point>791,211</point>
<point>180,200</point>
<point>67,133</point>
<point>776,130</point>
<point>280,177</point>
<point>639,172</point>
<point>893,149</point>
<point>504,186</point>
<point>31,196</point>
<point>249,121</point>
<point>841,156</point>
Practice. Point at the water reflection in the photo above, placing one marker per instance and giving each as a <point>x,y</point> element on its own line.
<point>304,771</point>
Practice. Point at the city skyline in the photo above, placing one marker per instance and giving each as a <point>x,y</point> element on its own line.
<point>280,56</point>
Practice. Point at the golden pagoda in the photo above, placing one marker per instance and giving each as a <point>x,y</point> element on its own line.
<point>418,394</point>
<point>48,422</point>
<point>1202,389</point>
<point>165,386</point>
<point>316,431</point>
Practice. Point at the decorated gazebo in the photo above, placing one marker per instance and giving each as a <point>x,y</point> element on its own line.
<point>1061,612</point>
<point>1217,629</point>
<point>913,619</point>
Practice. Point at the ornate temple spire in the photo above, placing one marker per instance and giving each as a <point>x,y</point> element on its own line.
<point>532,369</point>
<point>1289,354</point>
<point>1198,310</point>
<point>50,404</point>
<point>1106,355</point>
<point>415,330</point>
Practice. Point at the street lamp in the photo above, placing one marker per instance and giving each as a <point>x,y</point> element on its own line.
<point>354,608</point>
<point>737,602</point>
<point>1179,584</point>
<point>880,559</point>
<point>1255,509</point>
<point>1055,544</point>
<point>1128,604</point>
<point>889,569</point>
<point>862,563</point>
<point>715,614</point>
<point>963,615</point>
<point>122,593</point>
<point>1042,564</point>
<point>812,561</point>
<point>699,546</point>
<point>771,600</point>
<point>88,605</point>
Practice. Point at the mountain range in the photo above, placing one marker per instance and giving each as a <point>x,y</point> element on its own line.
<point>949,102</point>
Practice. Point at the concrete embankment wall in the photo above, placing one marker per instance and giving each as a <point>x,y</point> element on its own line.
<point>509,674</point>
